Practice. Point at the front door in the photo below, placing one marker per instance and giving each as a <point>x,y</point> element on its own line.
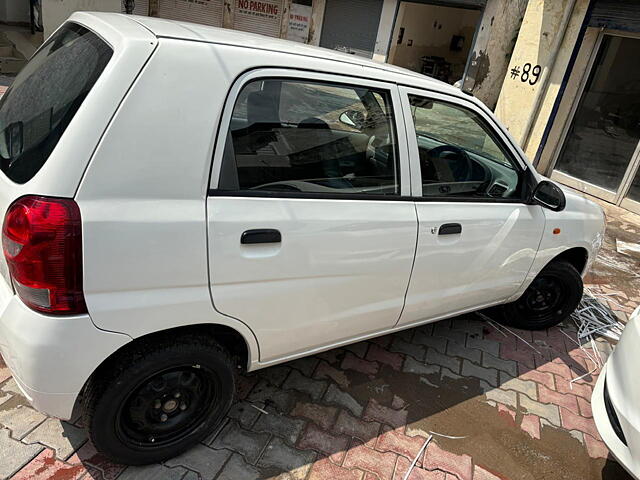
<point>310,239</point>
<point>600,154</point>
<point>477,237</point>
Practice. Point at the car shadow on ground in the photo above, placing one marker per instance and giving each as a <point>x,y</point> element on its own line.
<point>371,405</point>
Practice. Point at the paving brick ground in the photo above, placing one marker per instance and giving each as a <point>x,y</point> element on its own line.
<point>363,412</point>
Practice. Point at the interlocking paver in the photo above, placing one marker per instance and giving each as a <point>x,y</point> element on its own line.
<point>62,437</point>
<point>489,375</point>
<point>343,399</point>
<point>235,438</point>
<point>206,461</point>
<point>435,458</point>
<point>14,454</point>
<point>326,371</point>
<point>564,400</point>
<point>402,465</point>
<point>365,458</point>
<point>325,469</point>
<point>363,430</point>
<point>45,467</point>
<point>571,421</point>
<point>427,339</point>
<point>507,366</point>
<point>480,473</point>
<point>385,415</point>
<point>385,357</point>
<point>150,472</point>
<point>544,378</point>
<point>19,418</point>
<point>507,397</point>
<point>487,346</point>
<point>531,425</point>
<point>267,394</point>
<point>334,446</point>
<point>306,365</point>
<point>278,455</point>
<point>320,414</point>
<point>526,387</point>
<point>283,426</point>
<point>275,375</point>
<point>411,349</point>
<point>458,350</point>
<point>394,440</point>
<point>244,413</point>
<point>351,362</point>
<point>236,468</point>
<point>411,365</point>
<point>301,383</point>
<point>548,412</point>
<point>436,358</point>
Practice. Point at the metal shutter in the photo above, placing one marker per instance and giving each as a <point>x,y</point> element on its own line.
<point>616,14</point>
<point>208,12</point>
<point>351,26</point>
<point>474,4</point>
<point>258,16</point>
<point>140,7</point>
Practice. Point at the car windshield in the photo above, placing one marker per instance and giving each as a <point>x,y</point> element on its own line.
<point>45,96</point>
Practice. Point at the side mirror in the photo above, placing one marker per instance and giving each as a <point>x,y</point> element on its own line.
<point>352,118</point>
<point>549,195</point>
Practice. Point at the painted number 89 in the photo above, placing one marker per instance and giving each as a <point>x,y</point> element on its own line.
<point>530,74</point>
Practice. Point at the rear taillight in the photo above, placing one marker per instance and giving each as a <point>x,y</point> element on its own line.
<point>42,242</point>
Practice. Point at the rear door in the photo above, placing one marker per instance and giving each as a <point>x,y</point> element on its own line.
<point>477,235</point>
<point>310,241</point>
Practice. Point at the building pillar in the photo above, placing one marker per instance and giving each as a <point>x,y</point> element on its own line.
<point>385,30</point>
<point>317,17</point>
<point>284,21</point>
<point>540,58</point>
<point>228,11</point>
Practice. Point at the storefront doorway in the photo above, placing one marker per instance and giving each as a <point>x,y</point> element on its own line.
<point>601,148</point>
<point>434,39</point>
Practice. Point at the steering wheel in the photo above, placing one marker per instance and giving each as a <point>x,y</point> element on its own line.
<point>461,171</point>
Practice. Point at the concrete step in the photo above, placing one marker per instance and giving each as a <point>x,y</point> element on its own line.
<point>11,64</point>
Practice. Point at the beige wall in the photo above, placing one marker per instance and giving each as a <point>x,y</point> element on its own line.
<point>55,12</point>
<point>431,27</point>
<point>492,51</point>
<point>543,40</point>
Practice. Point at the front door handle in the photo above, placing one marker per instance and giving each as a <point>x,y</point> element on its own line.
<point>450,229</point>
<point>261,235</point>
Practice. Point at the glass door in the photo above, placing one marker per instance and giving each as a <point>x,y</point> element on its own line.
<point>632,198</point>
<point>600,151</point>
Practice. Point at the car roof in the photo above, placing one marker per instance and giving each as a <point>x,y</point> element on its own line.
<point>164,28</point>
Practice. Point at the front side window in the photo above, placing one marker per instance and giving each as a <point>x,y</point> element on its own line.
<point>299,136</point>
<point>459,154</point>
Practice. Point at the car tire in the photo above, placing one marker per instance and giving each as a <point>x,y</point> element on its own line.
<point>158,399</point>
<point>552,296</point>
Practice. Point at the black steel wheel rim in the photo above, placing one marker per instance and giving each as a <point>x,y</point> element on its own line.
<point>545,296</point>
<point>167,406</point>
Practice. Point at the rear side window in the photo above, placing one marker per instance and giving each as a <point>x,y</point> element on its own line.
<point>45,96</point>
<point>307,137</point>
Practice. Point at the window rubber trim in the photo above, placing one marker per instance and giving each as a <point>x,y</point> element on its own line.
<point>613,417</point>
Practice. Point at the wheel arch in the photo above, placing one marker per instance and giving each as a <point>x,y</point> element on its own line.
<point>576,256</point>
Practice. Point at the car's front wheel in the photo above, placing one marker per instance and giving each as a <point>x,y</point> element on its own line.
<point>552,296</point>
<point>158,399</point>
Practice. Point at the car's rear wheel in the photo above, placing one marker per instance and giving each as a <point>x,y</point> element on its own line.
<point>158,399</point>
<point>552,296</point>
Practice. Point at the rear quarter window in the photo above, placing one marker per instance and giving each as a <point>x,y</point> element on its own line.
<point>45,96</point>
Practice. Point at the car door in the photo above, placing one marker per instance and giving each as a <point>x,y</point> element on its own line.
<point>477,235</point>
<point>311,239</point>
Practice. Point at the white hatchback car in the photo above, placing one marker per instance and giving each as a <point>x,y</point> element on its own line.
<point>180,201</point>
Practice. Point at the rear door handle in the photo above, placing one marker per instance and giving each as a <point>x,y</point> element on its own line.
<point>450,229</point>
<point>261,235</point>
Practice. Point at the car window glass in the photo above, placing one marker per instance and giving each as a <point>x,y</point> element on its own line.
<point>459,154</point>
<point>311,137</point>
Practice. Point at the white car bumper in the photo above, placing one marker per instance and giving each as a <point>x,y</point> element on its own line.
<point>616,399</point>
<point>51,358</point>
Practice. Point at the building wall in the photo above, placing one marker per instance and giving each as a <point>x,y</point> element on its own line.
<point>429,28</point>
<point>495,41</point>
<point>55,12</point>
<point>545,43</point>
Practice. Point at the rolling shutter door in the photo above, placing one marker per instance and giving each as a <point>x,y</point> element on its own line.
<point>207,12</point>
<point>351,26</point>
<point>140,7</point>
<point>258,16</point>
<point>616,14</point>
